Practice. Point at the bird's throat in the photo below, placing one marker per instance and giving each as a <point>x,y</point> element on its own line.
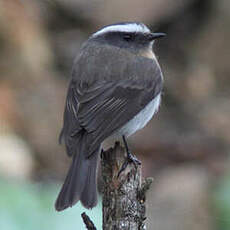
<point>148,53</point>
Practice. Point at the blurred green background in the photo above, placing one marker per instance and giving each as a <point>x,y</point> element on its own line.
<point>185,148</point>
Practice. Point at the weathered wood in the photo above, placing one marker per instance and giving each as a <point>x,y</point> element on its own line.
<point>88,223</point>
<point>123,196</point>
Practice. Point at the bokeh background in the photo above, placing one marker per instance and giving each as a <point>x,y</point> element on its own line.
<point>185,148</point>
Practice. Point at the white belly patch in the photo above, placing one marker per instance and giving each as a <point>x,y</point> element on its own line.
<point>141,119</point>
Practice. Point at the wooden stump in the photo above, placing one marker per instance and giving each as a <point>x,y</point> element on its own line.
<point>123,196</point>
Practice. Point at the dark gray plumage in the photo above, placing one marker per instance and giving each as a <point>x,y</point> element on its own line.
<point>109,86</point>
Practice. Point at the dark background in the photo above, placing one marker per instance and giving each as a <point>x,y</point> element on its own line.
<point>185,147</point>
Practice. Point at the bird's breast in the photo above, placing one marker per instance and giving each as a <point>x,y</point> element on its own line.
<point>141,119</point>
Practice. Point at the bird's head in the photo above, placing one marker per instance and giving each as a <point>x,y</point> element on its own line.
<point>133,36</point>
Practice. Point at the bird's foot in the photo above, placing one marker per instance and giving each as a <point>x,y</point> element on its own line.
<point>130,159</point>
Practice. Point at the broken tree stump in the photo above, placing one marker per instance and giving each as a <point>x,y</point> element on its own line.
<point>123,196</point>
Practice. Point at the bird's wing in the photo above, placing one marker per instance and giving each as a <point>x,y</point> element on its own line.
<point>106,105</point>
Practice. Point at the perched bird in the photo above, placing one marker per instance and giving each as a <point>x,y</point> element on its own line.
<point>114,91</point>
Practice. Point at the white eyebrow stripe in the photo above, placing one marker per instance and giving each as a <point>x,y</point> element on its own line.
<point>123,28</point>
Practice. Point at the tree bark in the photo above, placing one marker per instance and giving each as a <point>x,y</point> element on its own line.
<point>123,196</point>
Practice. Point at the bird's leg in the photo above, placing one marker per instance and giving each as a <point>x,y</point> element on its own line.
<point>130,158</point>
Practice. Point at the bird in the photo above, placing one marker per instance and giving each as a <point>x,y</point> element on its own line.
<point>114,90</point>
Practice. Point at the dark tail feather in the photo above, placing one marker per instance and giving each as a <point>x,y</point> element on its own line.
<point>80,183</point>
<point>89,195</point>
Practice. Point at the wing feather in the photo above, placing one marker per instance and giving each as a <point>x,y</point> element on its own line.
<point>103,105</point>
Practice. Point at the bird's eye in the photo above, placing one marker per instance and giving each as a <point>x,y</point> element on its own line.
<point>128,37</point>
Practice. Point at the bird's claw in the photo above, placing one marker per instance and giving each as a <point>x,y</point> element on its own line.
<point>130,159</point>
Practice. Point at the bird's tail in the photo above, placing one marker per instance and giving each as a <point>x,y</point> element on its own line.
<point>80,182</point>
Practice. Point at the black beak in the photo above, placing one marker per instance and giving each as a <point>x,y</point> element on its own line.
<point>153,36</point>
